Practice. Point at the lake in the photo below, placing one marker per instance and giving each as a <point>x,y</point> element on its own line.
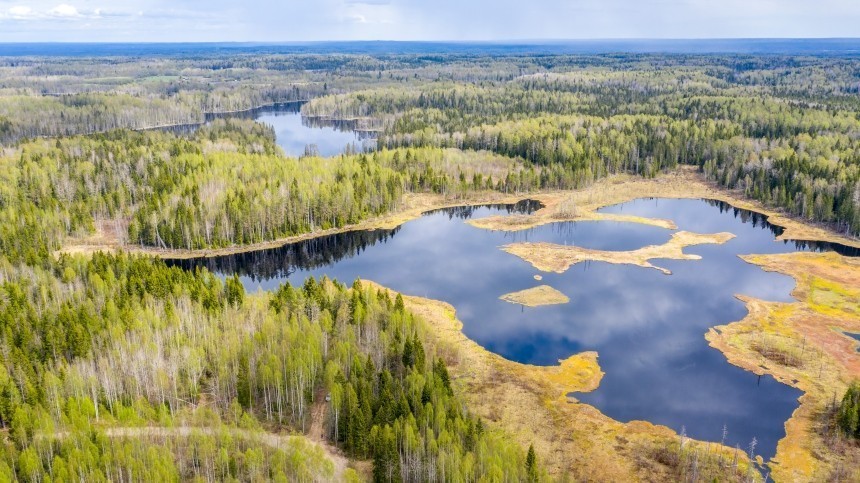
<point>295,134</point>
<point>648,328</point>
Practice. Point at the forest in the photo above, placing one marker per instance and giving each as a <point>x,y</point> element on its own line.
<point>118,367</point>
<point>227,186</point>
<point>101,349</point>
<point>783,130</point>
<point>791,151</point>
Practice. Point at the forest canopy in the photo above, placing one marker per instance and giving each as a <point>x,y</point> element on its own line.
<point>116,366</point>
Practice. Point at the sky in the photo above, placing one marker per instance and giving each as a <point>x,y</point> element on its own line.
<point>457,20</point>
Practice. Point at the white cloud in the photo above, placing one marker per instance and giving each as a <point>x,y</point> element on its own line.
<point>361,12</point>
<point>264,20</point>
<point>64,10</point>
<point>19,12</point>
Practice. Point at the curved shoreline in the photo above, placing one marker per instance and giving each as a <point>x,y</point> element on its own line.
<point>681,184</point>
<point>548,257</point>
<point>802,344</point>
<point>532,404</point>
<point>792,461</point>
<point>413,207</point>
<point>684,183</point>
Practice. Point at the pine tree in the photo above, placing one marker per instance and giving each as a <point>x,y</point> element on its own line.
<point>531,464</point>
<point>234,291</point>
<point>442,372</point>
<point>848,415</point>
<point>408,354</point>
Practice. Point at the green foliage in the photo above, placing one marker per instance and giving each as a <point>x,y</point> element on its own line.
<point>848,415</point>
<point>227,186</point>
<point>531,464</point>
<point>119,341</point>
<point>90,348</point>
<point>234,291</point>
<point>785,137</point>
<point>156,454</point>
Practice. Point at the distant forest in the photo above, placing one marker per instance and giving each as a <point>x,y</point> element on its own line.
<point>94,349</point>
<point>782,129</point>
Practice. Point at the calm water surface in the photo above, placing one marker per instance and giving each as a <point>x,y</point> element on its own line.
<point>648,328</point>
<point>296,134</point>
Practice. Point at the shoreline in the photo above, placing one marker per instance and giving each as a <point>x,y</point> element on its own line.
<point>802,344</point>
<point>415,205</point>
<point>531,403</point>
<point>681,184</point>
<point>548,257</point>
<point>498,388</point>
<point>161,126</point>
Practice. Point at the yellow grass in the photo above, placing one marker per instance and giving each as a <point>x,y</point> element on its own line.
<point>802,344</point>
<point>685,182</point>
<point>546,216</point>
<point>414,205</point>
<point>536,296</point>
<point>550,257</point>
<point>559,206</point>
<point>572,439</point>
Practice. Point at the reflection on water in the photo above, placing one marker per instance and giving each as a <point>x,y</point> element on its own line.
<point>281,262</point>
<point>646,206</point>
<point>298,135</point>
<point>648,328</point>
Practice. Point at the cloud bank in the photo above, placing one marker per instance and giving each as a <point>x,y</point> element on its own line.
<point>300,20</point>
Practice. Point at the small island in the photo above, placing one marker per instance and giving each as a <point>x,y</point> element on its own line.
<point>536,296</point>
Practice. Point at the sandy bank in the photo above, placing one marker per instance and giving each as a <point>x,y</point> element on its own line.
<point>802,344</point>
<point>549,257</point>
<point>685,182</point>
<point>559,206</point>
<point>536,296</point>
<point>574,440</point>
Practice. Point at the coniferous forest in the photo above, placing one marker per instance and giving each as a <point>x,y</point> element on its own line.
<point>119,367</point>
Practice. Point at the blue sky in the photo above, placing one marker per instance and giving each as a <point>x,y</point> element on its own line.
<point>300,20</point>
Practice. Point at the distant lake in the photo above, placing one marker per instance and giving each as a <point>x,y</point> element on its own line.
<point>648,328</point>
<point>296,134</point>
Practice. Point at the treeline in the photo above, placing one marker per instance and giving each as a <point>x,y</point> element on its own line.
<point>59,320</point>
<point>798,154</point>
<point>103,355</point>
<point>228,185</point>
<point>392,400</point>
<point>88,94</point>
<point>816,177</point>
<point>85,113</point>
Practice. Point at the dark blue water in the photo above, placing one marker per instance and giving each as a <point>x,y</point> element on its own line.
<point>648,328</point>
<point>856,336</point>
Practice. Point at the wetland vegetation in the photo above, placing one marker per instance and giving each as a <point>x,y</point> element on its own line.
<point>351,245</point>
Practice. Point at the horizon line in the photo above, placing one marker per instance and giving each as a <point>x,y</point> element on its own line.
<point>443,41</point>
